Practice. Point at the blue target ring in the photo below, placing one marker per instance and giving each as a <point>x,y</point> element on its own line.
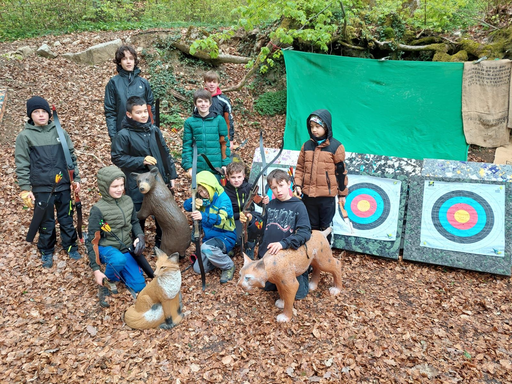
<point>375,200</point>
<point>480,208</point>
<point>445,222</point>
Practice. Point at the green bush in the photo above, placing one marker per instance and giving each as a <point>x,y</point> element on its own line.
<point>21,19</point>
<point>271,103</point>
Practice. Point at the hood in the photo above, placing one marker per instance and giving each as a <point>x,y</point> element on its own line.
<point>325,115</point>
<point>133,125</point>
<point>39,128</point>
<point>210,115</point>
<point>216,93</point>
<point>209,181</point>
<point>125,73</point>
<point>106,176</point>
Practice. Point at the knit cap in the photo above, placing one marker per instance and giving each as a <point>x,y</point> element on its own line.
<point>37,102</point>
<point>317,120</point>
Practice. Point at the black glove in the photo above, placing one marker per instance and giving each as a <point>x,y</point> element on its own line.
<point>140,245</point>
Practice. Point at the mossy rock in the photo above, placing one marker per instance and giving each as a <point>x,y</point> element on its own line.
<point>388,33</point>
<point>460,56</point>
<point>441,56</point>
<point>426,40</point>
<point>445,57</point>
<point>500,46</point>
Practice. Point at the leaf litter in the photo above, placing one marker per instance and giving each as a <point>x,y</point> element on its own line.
<point>394,322</point>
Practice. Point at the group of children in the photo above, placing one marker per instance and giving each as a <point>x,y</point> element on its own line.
<point>115,235</point>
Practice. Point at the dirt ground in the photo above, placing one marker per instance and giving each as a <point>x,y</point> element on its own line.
<point>394,321</point>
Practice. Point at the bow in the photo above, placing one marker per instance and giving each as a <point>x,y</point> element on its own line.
<point>196,233</point>
<point>39,211</point>
<point>215,170</point>
<point>264,173</point>
<point>254,192</point>
<point>140,259</point>
<point>71,171</point>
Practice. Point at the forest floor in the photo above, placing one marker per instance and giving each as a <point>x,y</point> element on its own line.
<point>394,321</point>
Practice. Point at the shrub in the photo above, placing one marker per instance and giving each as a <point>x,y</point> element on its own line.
<point>271,103</point>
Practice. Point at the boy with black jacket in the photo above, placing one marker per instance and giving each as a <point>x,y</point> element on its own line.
<point>285,225</point>
<point>125,84</point>
<point>138,146</point>
<point>221,105</point>
<point>238,190</point>
<point>39,158</point>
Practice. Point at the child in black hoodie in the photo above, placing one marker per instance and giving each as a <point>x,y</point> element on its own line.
<point>285,225</point>
<point>238,190</point>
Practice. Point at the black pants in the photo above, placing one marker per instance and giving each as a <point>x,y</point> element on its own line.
<point>302,291</point>
<point>321,211</point>
<point>47,233</point>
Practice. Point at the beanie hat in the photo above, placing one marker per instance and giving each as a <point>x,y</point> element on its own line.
<point>37,102</point>
<point>317,120</point>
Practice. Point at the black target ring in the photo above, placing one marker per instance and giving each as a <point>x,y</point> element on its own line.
<point>376,197</point>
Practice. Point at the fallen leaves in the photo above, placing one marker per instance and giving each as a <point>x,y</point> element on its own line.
<point>393,322</point>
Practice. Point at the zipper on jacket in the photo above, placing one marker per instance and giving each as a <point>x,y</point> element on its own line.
<point>328,181</point>
<point>240,207</point>
<point>312,166</point>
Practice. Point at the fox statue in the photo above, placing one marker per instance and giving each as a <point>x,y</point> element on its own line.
<point>283,268</point>
<point>159,303</point>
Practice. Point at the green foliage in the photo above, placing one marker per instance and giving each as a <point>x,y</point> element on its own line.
<point>210,43</point>
<point>161,79</point>
<point>271,103</point>
<point>441,15</point>
<point>174,120</point>
<point>29,18</point>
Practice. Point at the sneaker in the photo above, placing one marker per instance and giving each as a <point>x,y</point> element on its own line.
<point>47,260</point>
<point>75,255</point>
<point>227,275</point>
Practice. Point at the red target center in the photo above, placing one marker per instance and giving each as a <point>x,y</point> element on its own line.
<point>363,205</point>
<point>462,216</point>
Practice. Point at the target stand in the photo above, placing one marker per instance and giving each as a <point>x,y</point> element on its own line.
<point>375,204</point>
<point>459,223</point>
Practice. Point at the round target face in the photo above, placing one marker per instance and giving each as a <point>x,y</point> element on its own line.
<point>462,216</point>
<point>367,206</point>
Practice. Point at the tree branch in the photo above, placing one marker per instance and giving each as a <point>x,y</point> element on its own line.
<point>221,59</point>
<point>251,72</point>
<point>411,48</point>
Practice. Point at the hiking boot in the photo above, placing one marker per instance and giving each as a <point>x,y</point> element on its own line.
<point>110,285</point>
<point>102,293</point>
<point>75,255</point>
<point>227,275</point>
<point>47,259</point>
<point>249,252</point>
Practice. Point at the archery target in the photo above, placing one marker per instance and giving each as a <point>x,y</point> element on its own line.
<point>372,207</point>
<point>464,217</point>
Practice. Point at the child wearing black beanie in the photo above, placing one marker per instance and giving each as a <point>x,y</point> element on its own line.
<point>40,162</point>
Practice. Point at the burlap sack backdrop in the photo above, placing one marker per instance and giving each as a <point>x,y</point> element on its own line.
<point>485,102</point>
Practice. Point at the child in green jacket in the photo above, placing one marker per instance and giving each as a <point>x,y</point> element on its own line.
<point>210,133</point>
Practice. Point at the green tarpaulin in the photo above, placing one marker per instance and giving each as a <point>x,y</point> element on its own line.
<point>393,108</point>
